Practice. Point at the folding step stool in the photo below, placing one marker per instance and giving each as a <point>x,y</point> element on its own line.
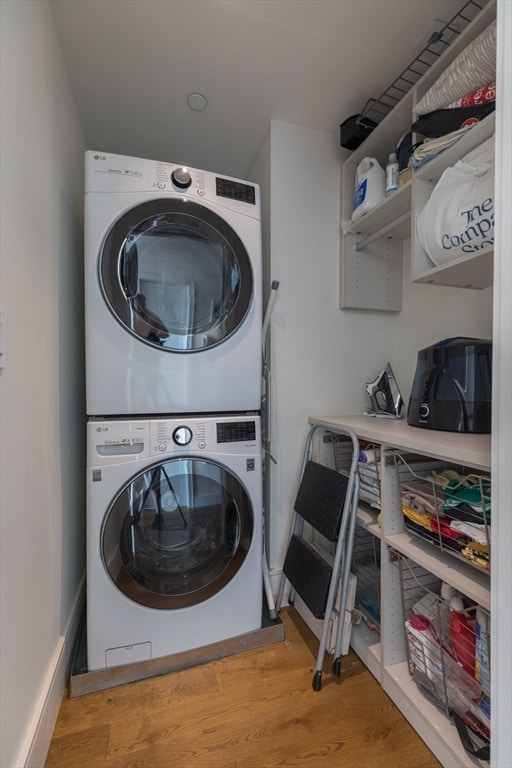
<point>327,501</point>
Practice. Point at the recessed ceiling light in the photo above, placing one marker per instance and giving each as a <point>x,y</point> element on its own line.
<point>196,101</point>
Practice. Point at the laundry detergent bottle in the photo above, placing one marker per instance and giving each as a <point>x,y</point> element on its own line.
<point>369,187</point>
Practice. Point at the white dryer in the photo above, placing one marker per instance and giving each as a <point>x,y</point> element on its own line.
<point>174,535</point>
<point>173,289</point>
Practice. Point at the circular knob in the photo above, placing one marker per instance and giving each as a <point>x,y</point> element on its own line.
<point>424,410</point>
<point>181,178</point>
<point>182,435</point>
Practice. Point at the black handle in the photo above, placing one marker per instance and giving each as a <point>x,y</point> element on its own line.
<point>482,753</point>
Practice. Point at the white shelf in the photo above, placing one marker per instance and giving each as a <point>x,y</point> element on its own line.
<point>368,521</point>
<point>385,654</point>
<point>388,211</point>
<point>471,581</point>
<point>466,449</point>
<point>436,730</point>
<point>477,134</point>
<point>371,252</point>
<point>366,643</point>
<point>473,271</point>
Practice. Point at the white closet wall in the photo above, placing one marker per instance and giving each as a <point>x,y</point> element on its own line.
<point>41,390</point>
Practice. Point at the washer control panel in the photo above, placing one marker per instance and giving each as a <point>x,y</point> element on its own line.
<point>112,441</point>
<point>119,440</point>
<point>182,435</point>
<point>173,436</point>
<point>236,431</point>
<point>222,434</point>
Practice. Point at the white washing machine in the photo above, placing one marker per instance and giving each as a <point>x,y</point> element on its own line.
<point>174,535</point>
<point>173,289</point>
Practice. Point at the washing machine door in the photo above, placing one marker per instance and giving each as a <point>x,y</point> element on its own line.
<point>177,533</point>
<point>176,275</point>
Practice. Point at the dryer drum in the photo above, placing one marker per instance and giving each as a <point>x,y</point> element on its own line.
<point>171,273</point>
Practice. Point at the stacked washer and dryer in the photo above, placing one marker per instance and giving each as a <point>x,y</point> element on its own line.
<point>173,380</point>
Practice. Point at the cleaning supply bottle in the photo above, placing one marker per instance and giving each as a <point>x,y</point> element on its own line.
<point>369,187</point>
<point>482,661</point>
<point>392,174</point>
<point>448,592</point>
<point>462,636</point>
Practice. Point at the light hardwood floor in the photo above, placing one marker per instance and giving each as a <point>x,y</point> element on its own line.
<point>256,709</point>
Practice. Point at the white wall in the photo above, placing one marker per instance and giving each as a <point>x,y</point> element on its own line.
<point>431,313</point>
<point>41,389</point>
<point>317,361</point>
<point>321,356</point>
<point>501,534</point>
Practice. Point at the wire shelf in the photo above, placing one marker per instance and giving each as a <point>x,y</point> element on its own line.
<point>375,110</point>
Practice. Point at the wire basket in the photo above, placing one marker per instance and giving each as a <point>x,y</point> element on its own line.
<point>369,469</point>
<point>366,568</point>
<point>451,508</point>
<point>448,649</point>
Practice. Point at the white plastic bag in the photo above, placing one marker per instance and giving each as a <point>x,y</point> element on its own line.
<point>458,219</point>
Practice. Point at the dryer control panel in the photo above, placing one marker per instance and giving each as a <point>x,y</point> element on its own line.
<point>106,172</point>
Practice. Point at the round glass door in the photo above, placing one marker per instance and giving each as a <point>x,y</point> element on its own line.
<point>176,275</point>
<point>177,533</point>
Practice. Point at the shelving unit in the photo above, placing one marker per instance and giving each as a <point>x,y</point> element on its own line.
<point>371,256</point>
<point>386,654</point>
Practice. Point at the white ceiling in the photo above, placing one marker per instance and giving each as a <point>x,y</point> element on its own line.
<point>132,64</point>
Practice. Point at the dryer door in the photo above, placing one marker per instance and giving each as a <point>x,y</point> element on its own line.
<point>176,275</point>
<point>177,533</point>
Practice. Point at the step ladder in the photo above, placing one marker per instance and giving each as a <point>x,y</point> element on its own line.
<point>327,502</point>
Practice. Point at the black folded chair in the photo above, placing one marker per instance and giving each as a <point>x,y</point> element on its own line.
<point>327,501</point>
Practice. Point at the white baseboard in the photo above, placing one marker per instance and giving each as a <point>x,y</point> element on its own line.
<point>34,748</point>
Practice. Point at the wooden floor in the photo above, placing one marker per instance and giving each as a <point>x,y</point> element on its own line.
<point>253,710</point>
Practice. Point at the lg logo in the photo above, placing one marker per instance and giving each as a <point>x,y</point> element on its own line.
<point>100,157</point>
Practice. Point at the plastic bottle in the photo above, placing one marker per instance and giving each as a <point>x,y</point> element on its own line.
<point>369,187</point>
<point>462,636</point>
<point>392,174</point>
<point>448,592</point>
<point>424,651</point>
<point>482,663</point>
